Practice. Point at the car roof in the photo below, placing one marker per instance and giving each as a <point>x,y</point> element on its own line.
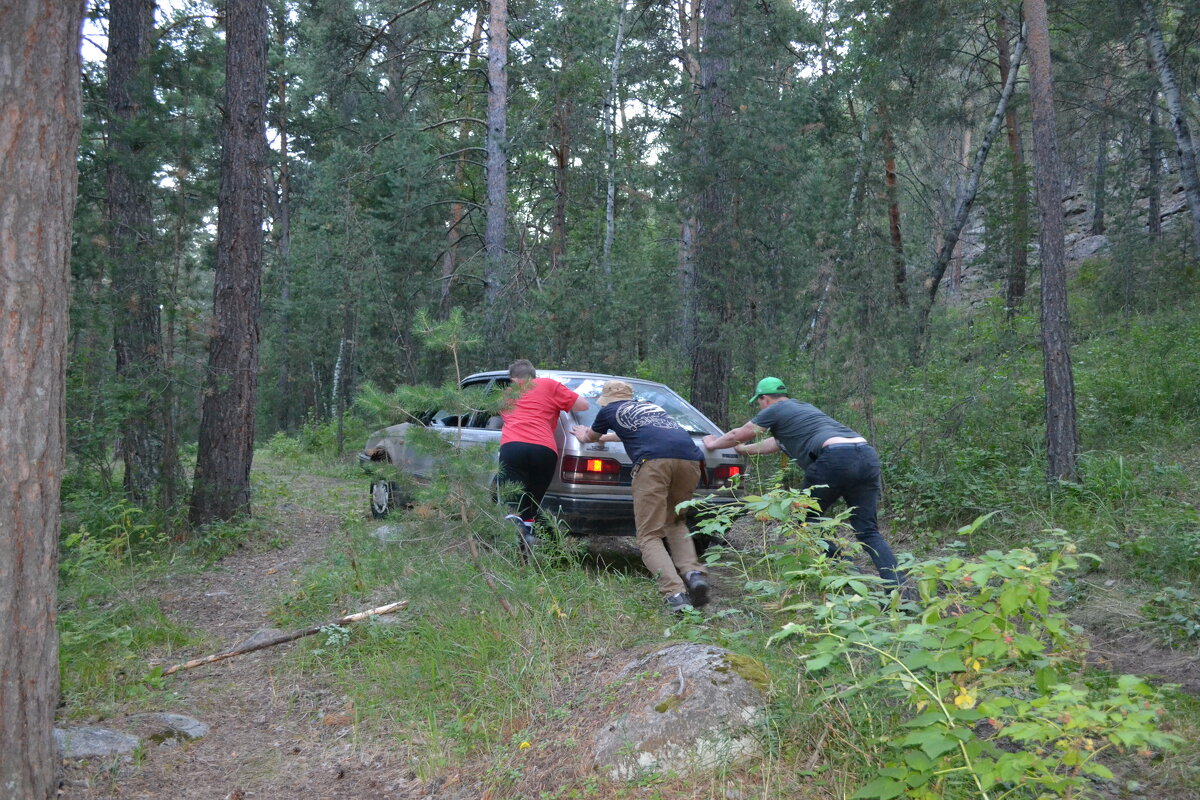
<point>564,373</point>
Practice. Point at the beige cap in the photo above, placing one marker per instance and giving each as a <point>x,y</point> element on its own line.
<point>614,391</point>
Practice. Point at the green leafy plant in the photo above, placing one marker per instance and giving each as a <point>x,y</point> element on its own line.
<point>988,669</point>
<point>1175,612</point>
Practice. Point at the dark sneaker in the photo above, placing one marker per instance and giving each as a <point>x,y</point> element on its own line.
<point>679,602</point>
<point>526,541</point>
<point>697,587</point>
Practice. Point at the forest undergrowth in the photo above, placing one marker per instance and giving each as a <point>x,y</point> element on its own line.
<point>1006,679</point>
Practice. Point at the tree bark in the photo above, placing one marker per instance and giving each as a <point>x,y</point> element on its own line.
<point>39,138</point>
<point>1018,259</point>
<point>1062,438</point>
<point>497,146</point>
<point>137,330</point>
<point>688,16</point>
<point>716,235</point>
<point>221,490</point>
<point>1184,146</point>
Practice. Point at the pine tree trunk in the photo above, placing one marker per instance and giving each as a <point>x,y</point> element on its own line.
<point>1062,438</point>
<point>716,237</point>
<point>1183,136</point>
<point>137,331</point>
<point>1018,259</point>
<point>38,149</point>
<point>221,490</point>
<point>497,145</point>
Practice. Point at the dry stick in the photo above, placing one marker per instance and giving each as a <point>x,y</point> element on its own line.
<point>288,637</point>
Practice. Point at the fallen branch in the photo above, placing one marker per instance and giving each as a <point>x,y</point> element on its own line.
<point>287,637</point>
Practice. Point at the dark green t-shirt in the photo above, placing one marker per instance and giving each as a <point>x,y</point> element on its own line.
<point>800,428</point>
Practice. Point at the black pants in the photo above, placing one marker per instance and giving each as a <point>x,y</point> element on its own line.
<point>530,466</point>
<point>850,472</point>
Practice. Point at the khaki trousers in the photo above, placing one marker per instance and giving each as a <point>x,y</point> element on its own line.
<point>660,484</point>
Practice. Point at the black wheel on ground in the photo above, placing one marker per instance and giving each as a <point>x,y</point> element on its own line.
<point>383,498</point>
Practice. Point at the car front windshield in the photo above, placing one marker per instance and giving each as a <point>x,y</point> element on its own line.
<point>688,418</point>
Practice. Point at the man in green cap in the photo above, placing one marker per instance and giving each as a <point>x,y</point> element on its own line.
<point>837,462</point>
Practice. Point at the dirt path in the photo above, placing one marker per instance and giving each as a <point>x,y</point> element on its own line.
<point>270,737</point>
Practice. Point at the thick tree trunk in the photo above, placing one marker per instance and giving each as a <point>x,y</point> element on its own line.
<point>497,146</point>
<point>1062,438</point>
<point>38,146</point>
<point>221,490</point>
<point>1018,259</point>
<point>137,331</point>
<point>716,232</point>
<point>966,199</point>
<point>1184,145</point>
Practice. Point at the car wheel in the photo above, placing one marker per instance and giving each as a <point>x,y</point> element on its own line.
<point>383,498</point>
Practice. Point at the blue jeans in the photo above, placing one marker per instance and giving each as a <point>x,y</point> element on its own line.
<point>850,472</point>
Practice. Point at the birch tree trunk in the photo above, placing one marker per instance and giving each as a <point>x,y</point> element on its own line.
<point>1062,438</point>
<point>1179,124</point>
<point>38,149</point>
<point>221,489</point>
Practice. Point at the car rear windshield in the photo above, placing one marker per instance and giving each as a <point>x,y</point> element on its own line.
<point>688,417</point>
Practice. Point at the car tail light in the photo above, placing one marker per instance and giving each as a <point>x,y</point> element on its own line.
<point>721,475</point>
<point>586,469</point>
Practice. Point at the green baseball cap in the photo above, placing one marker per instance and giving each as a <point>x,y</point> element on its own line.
<point>768,386</point>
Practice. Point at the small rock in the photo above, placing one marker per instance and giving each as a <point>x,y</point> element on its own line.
<point>90,742</point>
<point>162,727</point>
<point>388,534</point>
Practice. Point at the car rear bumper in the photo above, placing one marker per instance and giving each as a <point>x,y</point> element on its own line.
<point>600,516</point>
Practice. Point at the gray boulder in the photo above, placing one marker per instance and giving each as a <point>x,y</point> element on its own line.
<point>90,742</point>
<point>689,708</point>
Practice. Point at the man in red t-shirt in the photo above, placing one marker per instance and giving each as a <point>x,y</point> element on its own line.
<point>528,452</point>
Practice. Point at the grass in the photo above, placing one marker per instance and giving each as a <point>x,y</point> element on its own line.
<point>459,683</point>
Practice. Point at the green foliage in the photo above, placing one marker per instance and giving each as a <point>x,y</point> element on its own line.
<point>1175,610</point>
<point>987,669</point>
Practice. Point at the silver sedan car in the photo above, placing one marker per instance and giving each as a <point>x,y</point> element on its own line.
<point>591,490</point>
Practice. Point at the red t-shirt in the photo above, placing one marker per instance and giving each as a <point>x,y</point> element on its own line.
<point>532,416</point>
